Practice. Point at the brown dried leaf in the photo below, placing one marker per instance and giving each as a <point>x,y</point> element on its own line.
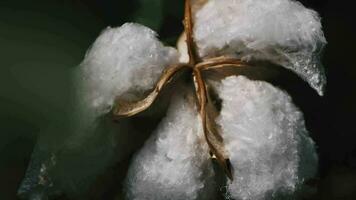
<point>255,71</point>
<point>215,138</point>
<point>188,29</point>
<point>126,109</point>
<point>221,62</point>
<point>182,43</point>
<point>211,130</point>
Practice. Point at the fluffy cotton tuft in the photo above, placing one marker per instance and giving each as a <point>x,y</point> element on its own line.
<point>174,163</point>
<point>281,31</point>
<point>266,138</point>
<point>128,59</point>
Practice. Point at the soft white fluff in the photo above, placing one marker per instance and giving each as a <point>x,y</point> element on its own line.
<point>174,163</point>
<point>124,61</point>
<point>266,138</point>
<point>127,59</point>
<point>280,31</point>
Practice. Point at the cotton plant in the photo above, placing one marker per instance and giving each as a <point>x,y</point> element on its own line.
<point>223,130</point>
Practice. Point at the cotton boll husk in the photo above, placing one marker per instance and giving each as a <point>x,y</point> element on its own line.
<point>174,163</point>
<point>280,31</point>
<point>265,136</point>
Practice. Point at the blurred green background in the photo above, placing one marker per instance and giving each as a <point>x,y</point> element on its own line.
<point>41,40</point>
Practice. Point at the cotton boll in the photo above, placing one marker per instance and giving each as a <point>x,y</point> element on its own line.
<point>174,164</point>
<point>125,61</point>
<point>266,138</point>
<point>122,61</point>
<point>128,59</point>
<point>281,31</point>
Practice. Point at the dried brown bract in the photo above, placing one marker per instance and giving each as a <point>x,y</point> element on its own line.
<point>206,108</point>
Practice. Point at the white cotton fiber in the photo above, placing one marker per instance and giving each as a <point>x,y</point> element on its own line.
<point>174,164</point>
<point>265,135</point>
<point>128,59</point>
<point>281,31</point>
<point>125,60</point>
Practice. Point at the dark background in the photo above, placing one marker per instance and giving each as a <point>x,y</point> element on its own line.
<point>41,40</point>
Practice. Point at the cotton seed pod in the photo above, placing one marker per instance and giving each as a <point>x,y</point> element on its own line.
<point>265,135</point>
<point>280,31</point>
<point>174,163</point>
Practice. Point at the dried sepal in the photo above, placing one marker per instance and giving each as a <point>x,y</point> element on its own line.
<point>210,128</point>
<point>125,108</point>
<point>220,62</point>
<point>218,67</point>
<point>214,135</point>
<point>188,29</point>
